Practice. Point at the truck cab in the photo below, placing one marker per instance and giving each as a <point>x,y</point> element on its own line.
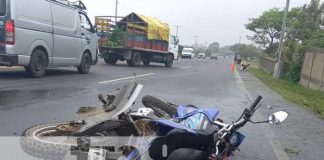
<point>174,46</point>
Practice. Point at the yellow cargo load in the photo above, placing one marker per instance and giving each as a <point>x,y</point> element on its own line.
<point>156,30</point>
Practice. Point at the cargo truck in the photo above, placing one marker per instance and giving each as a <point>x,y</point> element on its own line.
<point>136,39</point>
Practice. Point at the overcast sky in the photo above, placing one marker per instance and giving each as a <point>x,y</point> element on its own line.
<point>211,20</point>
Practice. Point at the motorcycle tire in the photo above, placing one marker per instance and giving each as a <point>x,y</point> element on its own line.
<point>158,106</point>
<point>32,145</point>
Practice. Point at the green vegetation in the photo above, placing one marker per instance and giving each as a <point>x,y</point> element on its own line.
<point>307,98</point>
<point>246,50</point>
<point>116,38</point>
<point>212,48</point>
<point>305,30</point>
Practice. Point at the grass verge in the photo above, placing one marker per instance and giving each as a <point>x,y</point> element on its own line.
<point>307,98</point>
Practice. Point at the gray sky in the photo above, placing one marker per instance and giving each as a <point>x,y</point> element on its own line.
<point>212,20</point>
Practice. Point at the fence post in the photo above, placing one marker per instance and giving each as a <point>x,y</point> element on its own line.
<point>321,83</point>
<point>311,69</point>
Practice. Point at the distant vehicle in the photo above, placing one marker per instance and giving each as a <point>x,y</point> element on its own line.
<point>38,34</point>
<point>202,55</point>
<point>136,38</point>
<point>188,53</point>
<point>214,56</point>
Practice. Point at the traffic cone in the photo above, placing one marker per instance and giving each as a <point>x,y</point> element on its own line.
<point>232,67</point>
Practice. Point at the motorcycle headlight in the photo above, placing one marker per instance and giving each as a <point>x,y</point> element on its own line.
<point>234,139</point>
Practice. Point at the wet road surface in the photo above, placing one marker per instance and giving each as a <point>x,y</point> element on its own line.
<point>26,102</point>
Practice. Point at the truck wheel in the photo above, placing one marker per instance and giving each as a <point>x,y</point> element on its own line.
<point>84,67</point>
<point>111,60</point>
<point>96,60</point>
<point>169,61</point>
<point>136,60</point>
<point>146,63</point>
<point>38,64</point>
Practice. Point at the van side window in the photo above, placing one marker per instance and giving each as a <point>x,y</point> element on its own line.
<point>2,7</point>
<point>85,23</point>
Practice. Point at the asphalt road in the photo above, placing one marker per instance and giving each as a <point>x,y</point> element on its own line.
<point>26,102</point>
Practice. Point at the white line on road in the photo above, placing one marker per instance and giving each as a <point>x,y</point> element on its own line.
<point>120,79</point>
<point>186,67</point>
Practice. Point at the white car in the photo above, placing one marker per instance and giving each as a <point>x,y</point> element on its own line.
<point>202,55</point>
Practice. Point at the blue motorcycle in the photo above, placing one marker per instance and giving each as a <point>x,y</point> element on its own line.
<point>195,134</point>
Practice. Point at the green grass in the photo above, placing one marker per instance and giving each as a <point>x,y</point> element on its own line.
<point>307,98</point>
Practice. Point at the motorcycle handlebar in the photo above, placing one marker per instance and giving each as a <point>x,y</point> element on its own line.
<point>243,119</point>
<point>256,102</point>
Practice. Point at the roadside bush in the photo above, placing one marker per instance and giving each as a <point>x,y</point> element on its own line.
<point>292,69</point>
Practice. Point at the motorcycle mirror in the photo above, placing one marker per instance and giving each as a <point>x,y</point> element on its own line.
<point>278,117</point>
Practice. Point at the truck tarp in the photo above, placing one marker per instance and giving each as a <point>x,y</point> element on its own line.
<point>156,30</point>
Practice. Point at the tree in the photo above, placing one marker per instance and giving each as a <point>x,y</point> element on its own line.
<point>305,29</point>
<point>213,47</point>
<point>245,50</point>
<point>266,29</point>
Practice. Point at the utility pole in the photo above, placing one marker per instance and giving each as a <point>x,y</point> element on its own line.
<point>177,36</point>
<point>196,40</point>
<point>116,11</point>
<point>239,46</point>
<point>279,64</point>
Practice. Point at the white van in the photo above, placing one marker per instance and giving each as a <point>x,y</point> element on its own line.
<point>188,53</point>
<point>38,34</point>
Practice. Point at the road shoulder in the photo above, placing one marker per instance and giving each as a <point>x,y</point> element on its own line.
<point>302,135</point>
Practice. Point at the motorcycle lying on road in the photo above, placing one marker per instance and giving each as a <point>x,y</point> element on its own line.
<point>205,136</point>
<point>115,131</point>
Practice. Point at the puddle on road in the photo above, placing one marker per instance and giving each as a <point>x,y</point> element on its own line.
<point>20,98</point>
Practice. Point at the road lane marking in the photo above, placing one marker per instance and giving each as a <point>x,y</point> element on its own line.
<point>274,142</point>
<point>186,67</point>
<point>126,78</point>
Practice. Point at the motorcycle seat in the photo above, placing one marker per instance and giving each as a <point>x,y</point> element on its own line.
<point>179,138</point>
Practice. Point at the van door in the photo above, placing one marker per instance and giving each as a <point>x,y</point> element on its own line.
<point>67,45</point>
<point>88,35</point>
<point>3,10</point>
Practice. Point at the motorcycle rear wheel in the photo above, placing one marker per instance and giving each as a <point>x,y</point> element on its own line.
<point>44,142</point>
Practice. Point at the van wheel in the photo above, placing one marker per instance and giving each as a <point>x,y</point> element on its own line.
<point>168,60</point>
<point>38,64</point>
<point>136,60</point>
<point>84,67</point>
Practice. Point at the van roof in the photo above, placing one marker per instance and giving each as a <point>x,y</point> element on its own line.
<point>77,4</point>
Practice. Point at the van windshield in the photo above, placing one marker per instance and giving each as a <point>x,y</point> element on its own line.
<point>2,7</point>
